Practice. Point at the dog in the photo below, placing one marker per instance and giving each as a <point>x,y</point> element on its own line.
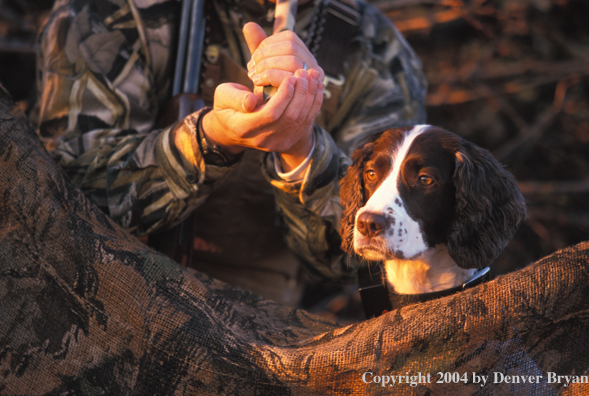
<point>432,206</point>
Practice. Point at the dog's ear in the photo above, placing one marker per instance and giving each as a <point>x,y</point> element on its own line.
<point>489,208</point>
<point>352,195</point>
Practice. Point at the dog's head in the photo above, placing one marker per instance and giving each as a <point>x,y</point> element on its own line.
<point>409,189</point>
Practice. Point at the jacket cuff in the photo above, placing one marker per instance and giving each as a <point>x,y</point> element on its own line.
<point>322,173</point>
<point>185,175</point>
<point>297,173</point>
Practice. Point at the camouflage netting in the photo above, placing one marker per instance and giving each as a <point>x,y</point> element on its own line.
<point>86,309</point>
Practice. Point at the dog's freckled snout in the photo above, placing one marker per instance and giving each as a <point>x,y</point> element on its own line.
<point>371,224</point>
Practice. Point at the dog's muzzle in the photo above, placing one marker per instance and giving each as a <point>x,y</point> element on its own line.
<point>371,224</point>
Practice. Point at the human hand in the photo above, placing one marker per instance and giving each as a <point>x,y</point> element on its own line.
<point>284,124</point>
<point>276,57</point>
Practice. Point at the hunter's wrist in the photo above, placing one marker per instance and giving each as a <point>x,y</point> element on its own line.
<point>213,152</point>
<point>299,152</point>
<point>212,131</point>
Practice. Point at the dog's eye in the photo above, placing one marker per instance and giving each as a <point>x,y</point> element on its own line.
<point>370,175</point>
<point>425,180</point>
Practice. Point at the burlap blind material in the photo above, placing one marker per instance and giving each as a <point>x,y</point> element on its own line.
<point>86,309</point>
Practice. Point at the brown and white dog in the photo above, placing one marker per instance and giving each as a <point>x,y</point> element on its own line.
<point>431,205</point>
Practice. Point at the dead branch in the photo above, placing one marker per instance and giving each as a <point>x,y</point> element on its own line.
<point>508,110</point>
<point>445,94</point>
<point>544,120</point>
<point>555,70</point>
<point>425,23</point>
<point>387,5</point>
<point>545,188</point>
<point>570,218</point>
<point>528,135</point>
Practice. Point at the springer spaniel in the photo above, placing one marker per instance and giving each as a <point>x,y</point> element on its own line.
<point>432,206</point>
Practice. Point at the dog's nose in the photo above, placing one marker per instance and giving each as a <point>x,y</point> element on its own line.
<point>371,224</point>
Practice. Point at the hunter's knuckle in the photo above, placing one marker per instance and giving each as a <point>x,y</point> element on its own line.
<point>291,119</point>
<point>266,75</point>
<point>290,47</point>
<point>272,116</point>
<point>259,54</point>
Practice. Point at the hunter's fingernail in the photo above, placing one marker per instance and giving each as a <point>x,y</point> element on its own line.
<point>251,73</point>
<point>300,73</point>
<point>251,64</point>
<point>256,79</point>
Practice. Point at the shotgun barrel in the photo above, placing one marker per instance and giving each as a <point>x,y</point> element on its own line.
<point>177,242</point>
<point>190,47</point>
<point>181,51</point>
<point>195,46</point>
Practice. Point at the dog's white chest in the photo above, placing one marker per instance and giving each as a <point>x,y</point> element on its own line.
<point>433,271</point>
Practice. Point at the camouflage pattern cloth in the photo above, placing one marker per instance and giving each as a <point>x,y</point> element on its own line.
<point>105,71</point>
<point>86,309</point>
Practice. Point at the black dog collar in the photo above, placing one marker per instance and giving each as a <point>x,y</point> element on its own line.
<point>403,300</point>
<point>377,300</point>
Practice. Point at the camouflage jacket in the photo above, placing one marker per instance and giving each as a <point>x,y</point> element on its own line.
<point>105,71</point>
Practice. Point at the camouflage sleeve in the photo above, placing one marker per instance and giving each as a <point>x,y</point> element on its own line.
<point>384,83</point>
<point>311,210</point>
<point>104,69</point>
